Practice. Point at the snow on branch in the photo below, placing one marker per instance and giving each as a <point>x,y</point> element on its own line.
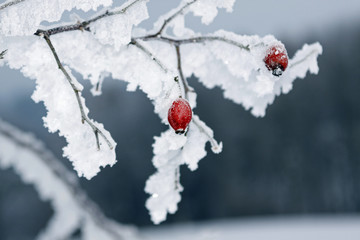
<point>63,100</point>
<point>55,183</point>
<point>10,3</point>
<point>105,30</point>
<point>25,17</point>
<point>172,16</point>
<point>232,62</point>
<point>77,91</point>
<point>110,44</point>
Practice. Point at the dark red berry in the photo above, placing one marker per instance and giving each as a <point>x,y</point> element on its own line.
<point>276,60</point>
<point>179,115</point>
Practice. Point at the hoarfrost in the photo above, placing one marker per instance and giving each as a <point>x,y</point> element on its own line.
<point>227,60</point>
<point>171,151</point>
<point>116,30</point>
<point>222,59</point>
<point>17,20</point>
<point>63,111</point>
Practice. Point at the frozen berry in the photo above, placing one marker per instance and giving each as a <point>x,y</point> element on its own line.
<point>276,60</point>
<point>179,115</point>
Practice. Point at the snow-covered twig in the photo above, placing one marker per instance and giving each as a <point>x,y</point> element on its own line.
<point>8,4</point>
<point>201,39</point>
<point>303,59</point>
<point>232,62</point>
<point>169,19</point>
<point>215,146</point>
<point>185,84</point>
<point>157,36</point>
<point>149,54</point>
<point>85,24</point>
<point>84,117</point>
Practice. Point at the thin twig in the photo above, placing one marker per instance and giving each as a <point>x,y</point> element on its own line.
<point>2,54</point>
<point>168,20</point>
<point>176,79</point>
<point>213,38</point>
<point>84,118</point>
<point>187,88</point>
<point>148,53</point>
<point>302,60</point>
<point>83,25</point>
<point>215,146</point>
<point>177,178</point>
<point>185,84</point>
<point>201,39</point>
<point>8,4</point>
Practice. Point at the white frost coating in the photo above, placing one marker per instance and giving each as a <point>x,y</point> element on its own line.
<point>208,9</point>
<point>24,18</point>
<point>134,66</point>
<point>59,99</point>
<point>116,30</point>
<point>53,182</point>
<point>239,70</point>
<point>170,152</point>
<point>243,76</point>
<point>298,67</point>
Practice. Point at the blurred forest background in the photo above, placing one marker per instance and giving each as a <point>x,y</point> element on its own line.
<point>303,157</point>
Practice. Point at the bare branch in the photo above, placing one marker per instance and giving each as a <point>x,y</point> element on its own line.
<point>148,53</point>
<point>168,20</point>
<point>213,38</point>
<point>2,54</point>
<point>177,179</point>
<point>73,27</point>
<point>8,4</point>
<point>85,24</point>
<point>185,84</point>
<point>84,118</point>
<point>216,147</point>
<point>201,39</point>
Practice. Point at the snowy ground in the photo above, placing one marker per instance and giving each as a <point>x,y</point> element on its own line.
<point>328,227</point>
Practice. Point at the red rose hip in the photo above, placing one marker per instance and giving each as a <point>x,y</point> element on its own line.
<point>179,115</point>
<point>276,60</point>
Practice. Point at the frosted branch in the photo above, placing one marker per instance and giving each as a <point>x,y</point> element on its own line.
<point>84,118</point>
<point>184,82</point>
<point>201,39</point>
<point>149,54</point>
<point>8,4</point>
<point>85,24</point>
<point>54,182</point>
<point>232,62</point>
<point>303,59</point>
<point>215,146</point>
<point>169,19</point>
